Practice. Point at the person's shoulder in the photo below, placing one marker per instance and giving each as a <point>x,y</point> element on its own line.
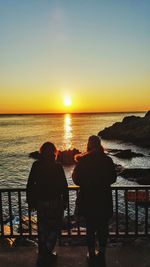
<point>86,159</point>
<point>59,168</point>
<point>35,163</point>
<point>35,166</point>
<point>83,157</point>
<point>108,159</point>
<point>58,165</point>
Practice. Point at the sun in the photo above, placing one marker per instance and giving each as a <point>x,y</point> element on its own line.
<point>67,101</point>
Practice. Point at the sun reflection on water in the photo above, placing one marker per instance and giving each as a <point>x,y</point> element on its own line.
<point>67,131</point>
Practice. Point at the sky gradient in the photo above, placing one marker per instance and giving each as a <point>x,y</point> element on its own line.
<point>97,52</point>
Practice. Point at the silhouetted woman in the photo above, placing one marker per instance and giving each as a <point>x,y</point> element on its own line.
<point>47,193</point>
<point>94,173</point>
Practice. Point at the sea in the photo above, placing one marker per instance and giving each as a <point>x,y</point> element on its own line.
<point>22,134</point>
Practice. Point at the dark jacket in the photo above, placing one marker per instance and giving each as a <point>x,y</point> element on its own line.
<point>46,182</point>
<point>94,173</point>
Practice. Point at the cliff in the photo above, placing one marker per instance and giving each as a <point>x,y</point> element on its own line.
<point>132,129</point>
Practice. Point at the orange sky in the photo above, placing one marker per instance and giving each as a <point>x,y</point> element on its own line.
<point>92,53</point>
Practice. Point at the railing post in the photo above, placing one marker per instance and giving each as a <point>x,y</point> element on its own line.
<point>146,214</point>
<point>136,214</point>
<point>10,213</point>
<point>116,202</point>
<point>68,212</point>
<point>78,220</point>
<point>1,215</point>
<point>20,212</point>
<point>126,212</point>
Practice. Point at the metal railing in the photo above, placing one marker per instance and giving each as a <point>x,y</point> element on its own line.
<point>131,213</point>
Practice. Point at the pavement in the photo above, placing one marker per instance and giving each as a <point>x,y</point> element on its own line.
<point>74,256</point>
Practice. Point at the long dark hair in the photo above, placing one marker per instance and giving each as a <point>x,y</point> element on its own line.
<point>48,151</point>
<point>94,144</point>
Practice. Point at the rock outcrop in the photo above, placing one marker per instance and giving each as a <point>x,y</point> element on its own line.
<point>139,175</point>
<point>132,129</point>
<point>124,154</point>
<point>66,157</point>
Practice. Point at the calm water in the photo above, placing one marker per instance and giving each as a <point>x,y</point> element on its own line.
<point>20,135</point>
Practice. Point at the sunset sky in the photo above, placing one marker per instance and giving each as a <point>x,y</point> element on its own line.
<point>96,52</point>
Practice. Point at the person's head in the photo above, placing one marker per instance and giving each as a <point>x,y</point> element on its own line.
<point>48,151</point>
<point>94,144</point>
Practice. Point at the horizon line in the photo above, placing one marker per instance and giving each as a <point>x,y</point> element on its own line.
<point>63,113</point>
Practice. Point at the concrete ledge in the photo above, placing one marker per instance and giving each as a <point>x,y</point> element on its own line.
<point>73,256</point>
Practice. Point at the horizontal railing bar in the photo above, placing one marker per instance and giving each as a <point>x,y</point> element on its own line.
<point>12,189</point>
<point>75,187</point>
<point>18,235</point>
<point>75,234</point>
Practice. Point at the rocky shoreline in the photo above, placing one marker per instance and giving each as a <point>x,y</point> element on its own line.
<point>132,129</point>
<point>138,175</point>
<point>124,154</point>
